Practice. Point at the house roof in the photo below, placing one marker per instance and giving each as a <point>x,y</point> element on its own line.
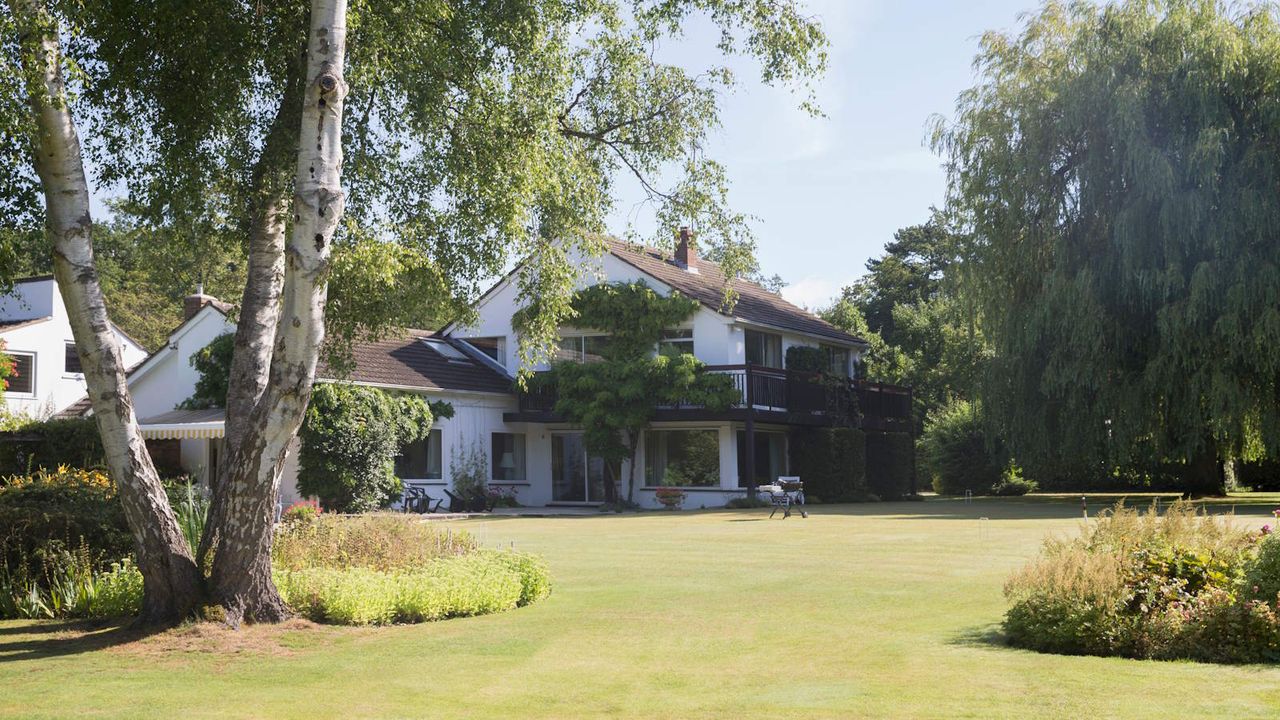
<point>754,305</point>
<point>421,360</point>
<point>7,325</point>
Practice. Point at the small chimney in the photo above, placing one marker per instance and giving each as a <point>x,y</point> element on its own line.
<point>193,303</point>
<point>687,251</point>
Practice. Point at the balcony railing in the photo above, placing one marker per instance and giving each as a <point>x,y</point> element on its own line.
<point>800,396</point>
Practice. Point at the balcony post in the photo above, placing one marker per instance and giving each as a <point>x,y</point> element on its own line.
<point>749,436</point>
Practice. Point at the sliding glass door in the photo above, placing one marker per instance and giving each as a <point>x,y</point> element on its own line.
<point>575,475</point>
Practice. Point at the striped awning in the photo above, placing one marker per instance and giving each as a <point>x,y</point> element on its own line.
<point>184,425</point>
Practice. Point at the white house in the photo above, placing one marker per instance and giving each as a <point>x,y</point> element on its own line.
<point>37,335</point>
<point>528,448</point>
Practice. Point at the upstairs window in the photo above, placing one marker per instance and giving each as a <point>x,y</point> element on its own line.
<point>837,360</point>
<point>494,347</point>
<point>22,380</point>
<point>581,348</point>
<point>676,341</point>
<point>71,365</point>
<point>764,349</point>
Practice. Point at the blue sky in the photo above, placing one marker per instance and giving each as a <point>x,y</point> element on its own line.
<point>829,192</point>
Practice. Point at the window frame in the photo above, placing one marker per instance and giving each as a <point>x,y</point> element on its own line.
<point>14,354</point>
<point>70,352</point>
<point>499,348</point>
<point>676,338</point>
<point>579,349</point>
<point>831,351</point>
<point>436,435</point>
<point>770,341</point>
<point>520,458</point>
<point>648,467</point>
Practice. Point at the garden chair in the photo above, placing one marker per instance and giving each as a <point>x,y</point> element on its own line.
<point>786,493</point>
<point>417,500</point>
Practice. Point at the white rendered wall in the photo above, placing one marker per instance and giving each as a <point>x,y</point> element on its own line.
<point>55,388</point>
<point>168,378</point>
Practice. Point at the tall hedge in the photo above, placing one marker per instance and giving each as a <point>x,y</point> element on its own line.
<point>831,462</point>
<point>50,443</point>
<point>890,464</point>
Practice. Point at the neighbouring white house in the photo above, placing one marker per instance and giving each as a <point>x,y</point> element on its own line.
<point>529,449</point>
<point>37,335</point>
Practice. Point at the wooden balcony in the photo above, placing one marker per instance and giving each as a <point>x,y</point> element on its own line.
<point>769,395</point>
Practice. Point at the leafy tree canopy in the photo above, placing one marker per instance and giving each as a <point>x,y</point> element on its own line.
<point>213,363</point>
<point>1113,171</point>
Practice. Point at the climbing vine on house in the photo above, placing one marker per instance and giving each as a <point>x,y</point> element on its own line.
<point>615,399</point>
<point>350,438</point>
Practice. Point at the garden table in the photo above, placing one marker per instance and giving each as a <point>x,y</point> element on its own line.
<point>785,493</point>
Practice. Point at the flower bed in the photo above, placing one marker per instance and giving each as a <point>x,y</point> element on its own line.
<point>1136,585</point>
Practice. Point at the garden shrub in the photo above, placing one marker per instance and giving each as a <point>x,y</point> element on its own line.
<point>1142,586</point>
<point>475,584</point>
<point>956,454</point>
<point>1012,483</point>
<point>70,585</point>
<point>889,464</point>
<point>51,512</point>
<point>831,462</point>
<point>350,438</point>
<point>31,445</point>
<point>802,358</point>
<point>379,541</point>
<point>1263,577</point>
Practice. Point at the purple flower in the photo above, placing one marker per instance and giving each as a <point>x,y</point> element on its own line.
<point>1266,529</point>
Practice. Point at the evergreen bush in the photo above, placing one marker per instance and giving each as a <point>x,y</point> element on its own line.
<point>956,452</point>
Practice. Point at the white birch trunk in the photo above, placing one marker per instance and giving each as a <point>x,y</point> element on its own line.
<point>172,583</point>
<point>242,564</point>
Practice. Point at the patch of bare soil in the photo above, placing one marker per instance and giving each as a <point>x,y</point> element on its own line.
<point>279,640</point>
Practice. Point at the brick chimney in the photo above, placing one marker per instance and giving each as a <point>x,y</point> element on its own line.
<point>687,251</point>
<point>193,303</point>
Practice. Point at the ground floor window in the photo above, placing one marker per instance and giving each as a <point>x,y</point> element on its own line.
<point>576,475</point>
<point>682,458</point>
<point>508,457</point>
<point>770,455</point>
<point>23,379</point>
<point>421,460</point>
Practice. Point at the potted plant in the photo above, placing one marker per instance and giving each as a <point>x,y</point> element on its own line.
<point>670,497</point>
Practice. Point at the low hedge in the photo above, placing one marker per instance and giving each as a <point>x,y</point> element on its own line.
<point>483,582</point>
<point>45,514</point>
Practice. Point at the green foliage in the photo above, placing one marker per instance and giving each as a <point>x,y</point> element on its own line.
<point>350,438</point>
<point>35,444</point>
<point>191,508</point>
<point>469,469</point>
<point>956,452</point>
<point>802,358</point>
<point>1012,483</point>
<point>890,464</point>
<point>1147,587</point>
<point>302,511</point>
<point>72,587</point>
<point>632,314</point>
<point>1104,173</point>
<point>476,584</point>
<point>213,363</point>
<point>384,568</point>
<point>46,516</point>
<point>1262,581</point>
<point>831,462</point>
<point>555,100</point>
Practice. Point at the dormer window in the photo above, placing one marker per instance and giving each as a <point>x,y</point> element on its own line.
<point>581,348</point>
<point>677,341</point>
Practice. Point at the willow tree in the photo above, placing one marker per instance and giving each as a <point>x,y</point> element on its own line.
<point>1115,172</point>
<point>474,133</point>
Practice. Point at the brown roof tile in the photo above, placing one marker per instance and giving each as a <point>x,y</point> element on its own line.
<point>754,304</point>
<point>413,361</point>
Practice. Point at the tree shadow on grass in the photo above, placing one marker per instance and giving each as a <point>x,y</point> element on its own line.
<point>57,638</point>
<point>981,636</point>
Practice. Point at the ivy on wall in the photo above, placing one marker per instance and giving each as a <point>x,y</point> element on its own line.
<point>350,437</point>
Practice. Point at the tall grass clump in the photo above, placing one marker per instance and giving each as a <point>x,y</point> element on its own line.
<point>379,569</point>
<point>1138,584</point>
<point>379,541</point>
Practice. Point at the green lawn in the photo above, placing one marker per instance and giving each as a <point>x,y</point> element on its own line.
<point>883,610</point>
